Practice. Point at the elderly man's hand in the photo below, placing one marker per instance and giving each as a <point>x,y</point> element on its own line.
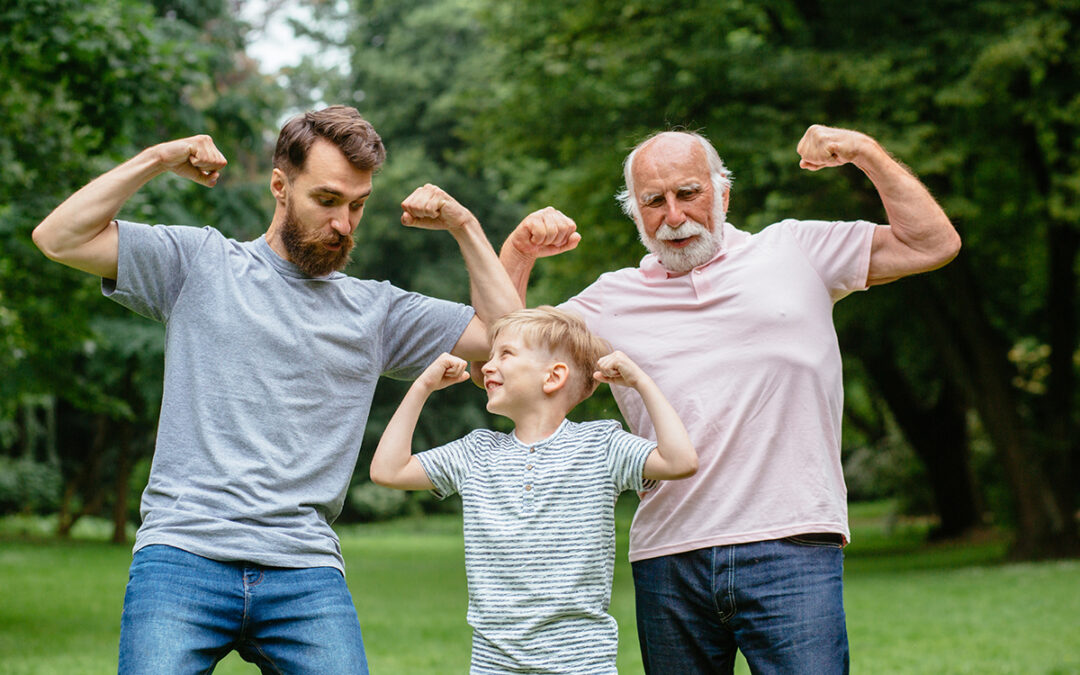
<point>822,146</point>
<point>431,208</point>
<point>543,233</point>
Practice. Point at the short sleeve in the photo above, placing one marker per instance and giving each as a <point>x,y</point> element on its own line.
<point>838,250</point>
<point>627,454</point>
<point>587,304</point>
<point>418,329</point>
<point>152,265</point>
<point>447,466</point>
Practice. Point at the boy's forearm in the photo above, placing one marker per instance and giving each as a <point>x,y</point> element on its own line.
<point>673,443</point>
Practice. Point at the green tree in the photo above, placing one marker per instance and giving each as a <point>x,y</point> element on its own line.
<point>88,84</point>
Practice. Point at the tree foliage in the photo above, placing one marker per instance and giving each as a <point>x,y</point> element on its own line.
<point>88,84</point>
<point>515,106</point>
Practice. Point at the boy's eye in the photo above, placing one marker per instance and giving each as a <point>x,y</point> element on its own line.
<point>326,201</point>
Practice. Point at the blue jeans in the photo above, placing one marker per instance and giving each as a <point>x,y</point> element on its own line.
<point>183,613</point>
<point>779,602</point>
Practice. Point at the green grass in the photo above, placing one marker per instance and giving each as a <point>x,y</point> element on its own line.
<point>912,608</point>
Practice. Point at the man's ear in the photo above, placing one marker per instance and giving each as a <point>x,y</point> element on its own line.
<point>558,374</point>
<point>279,185</point>
<point>727,198</point>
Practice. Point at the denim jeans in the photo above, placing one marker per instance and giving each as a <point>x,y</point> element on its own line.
<point>779,602</point>
<point>183,613</point>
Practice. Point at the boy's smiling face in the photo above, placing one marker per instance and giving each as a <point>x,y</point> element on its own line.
<point>514,376</point>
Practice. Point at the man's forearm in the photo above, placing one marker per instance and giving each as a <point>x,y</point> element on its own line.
<point>518,267</point>
<point>493,294</point>
<point>914,215</point>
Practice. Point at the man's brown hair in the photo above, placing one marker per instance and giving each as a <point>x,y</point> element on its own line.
<point>341,125</point>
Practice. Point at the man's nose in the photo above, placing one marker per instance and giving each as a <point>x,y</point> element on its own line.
<point>673,214</point>
<point>341,223</point>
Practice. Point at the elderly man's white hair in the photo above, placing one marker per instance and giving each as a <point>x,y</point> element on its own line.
<point>718,173</point>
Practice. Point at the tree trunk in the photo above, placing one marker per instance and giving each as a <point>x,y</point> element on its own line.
<point>1062,446</point>
<point>122,485</point>
<point>975,355</point>
<point>86,481</point>
<point>938,435</point>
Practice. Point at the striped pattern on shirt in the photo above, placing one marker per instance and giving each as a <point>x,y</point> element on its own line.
<point>540,541</point>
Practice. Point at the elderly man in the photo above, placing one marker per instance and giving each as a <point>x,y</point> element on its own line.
<point>737,330</point>
<point>271,359</point>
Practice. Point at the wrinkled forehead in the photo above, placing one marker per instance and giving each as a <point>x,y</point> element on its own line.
<point>668,161</point>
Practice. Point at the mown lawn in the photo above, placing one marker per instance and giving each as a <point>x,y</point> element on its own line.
<point>912,608</point>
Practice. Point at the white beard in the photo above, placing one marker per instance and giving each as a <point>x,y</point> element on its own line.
<point>698,252</point>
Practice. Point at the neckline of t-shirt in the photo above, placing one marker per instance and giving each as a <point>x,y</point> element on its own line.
<point>542,441</point>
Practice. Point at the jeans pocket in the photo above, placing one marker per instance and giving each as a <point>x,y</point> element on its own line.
<point>819,539</point>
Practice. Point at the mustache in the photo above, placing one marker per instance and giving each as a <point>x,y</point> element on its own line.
<point>687,229</point>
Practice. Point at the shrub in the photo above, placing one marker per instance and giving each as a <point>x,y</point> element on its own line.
<point>29,486</point>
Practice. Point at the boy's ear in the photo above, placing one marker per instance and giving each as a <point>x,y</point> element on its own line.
<point>558,374</point>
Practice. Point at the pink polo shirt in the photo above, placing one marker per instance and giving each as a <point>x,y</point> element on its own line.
<point>745,349</point>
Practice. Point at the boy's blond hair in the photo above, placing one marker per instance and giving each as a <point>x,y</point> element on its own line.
<point>563,334</point>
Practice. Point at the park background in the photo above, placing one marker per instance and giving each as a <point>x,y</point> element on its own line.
<point>960,445</point>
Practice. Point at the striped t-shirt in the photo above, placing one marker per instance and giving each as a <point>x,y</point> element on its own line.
<point>540,541</point>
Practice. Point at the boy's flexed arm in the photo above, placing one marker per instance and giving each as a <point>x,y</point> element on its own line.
<point>674,456</point>
<point>394,464</point>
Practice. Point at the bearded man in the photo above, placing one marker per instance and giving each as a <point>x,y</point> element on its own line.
<point>737,331</point>
<point>271,360</point>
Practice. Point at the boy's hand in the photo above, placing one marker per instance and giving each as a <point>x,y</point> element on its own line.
<point>617,368</point>
<point>443,372</point>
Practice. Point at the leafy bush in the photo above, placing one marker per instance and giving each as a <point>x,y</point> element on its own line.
<point>29,486</point>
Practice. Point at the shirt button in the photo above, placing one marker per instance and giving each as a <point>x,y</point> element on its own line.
<point>532,449</point>
<point>528,487</point>
<point>528,467</point>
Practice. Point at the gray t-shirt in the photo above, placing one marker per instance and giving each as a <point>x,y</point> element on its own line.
<point>540,541</point>
<point>269,375</point>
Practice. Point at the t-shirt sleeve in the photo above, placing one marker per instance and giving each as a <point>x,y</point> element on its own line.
<point>838,250</point>
<point>588,304</point>
<point>626,455</point>
<point>447,466</point>
<point>418,329</point>
<point>152,265</point>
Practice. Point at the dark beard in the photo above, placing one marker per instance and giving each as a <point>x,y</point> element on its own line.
<point>309,253</point>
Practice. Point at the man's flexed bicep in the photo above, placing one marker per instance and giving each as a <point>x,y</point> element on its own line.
<point>82,232</point>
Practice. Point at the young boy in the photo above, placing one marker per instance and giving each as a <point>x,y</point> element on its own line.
<point>539,502</point>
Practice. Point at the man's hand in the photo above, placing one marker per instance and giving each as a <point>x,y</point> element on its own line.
<point>822,147</point>
<point>195,158</point>
<point>443,372</point>
<point>431,208</point>
<point>543,233</point>
<point>618,368</point>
